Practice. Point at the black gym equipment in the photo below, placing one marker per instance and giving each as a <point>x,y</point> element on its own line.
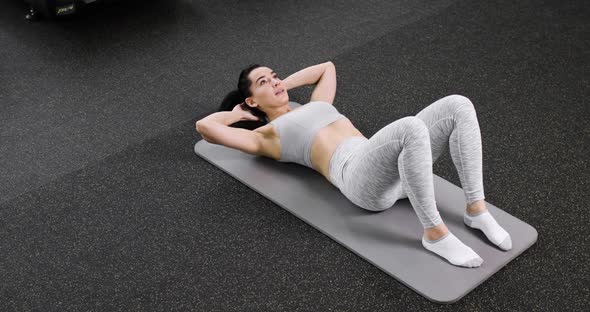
<point>54,8</point>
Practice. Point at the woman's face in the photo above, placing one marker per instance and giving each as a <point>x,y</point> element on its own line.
<point>265,85</point>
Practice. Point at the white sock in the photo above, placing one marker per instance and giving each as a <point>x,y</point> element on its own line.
<point>452,249</point>
<point>488,225</point>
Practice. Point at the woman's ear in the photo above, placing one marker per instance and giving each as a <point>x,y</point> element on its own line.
<point>250,102</point>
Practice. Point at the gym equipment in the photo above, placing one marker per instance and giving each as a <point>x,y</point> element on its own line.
<point>53,8</point>
<point>389,239</point>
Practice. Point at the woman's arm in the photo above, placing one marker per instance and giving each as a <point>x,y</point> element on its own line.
<point>225,118</point>
<point>306,76</point>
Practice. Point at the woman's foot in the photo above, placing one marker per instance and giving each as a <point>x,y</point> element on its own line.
<point>478,217</point>
<point>442,242</point>
<point>452,249</point>
<point>476,207</point>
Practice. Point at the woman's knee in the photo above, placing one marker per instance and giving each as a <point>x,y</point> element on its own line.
<point>415,128</point>
<point>460,103</point>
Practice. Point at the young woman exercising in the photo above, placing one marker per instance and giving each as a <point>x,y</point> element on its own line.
<point>396,162</point>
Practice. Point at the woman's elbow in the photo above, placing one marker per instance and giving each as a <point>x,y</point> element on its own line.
<point>200,129</point>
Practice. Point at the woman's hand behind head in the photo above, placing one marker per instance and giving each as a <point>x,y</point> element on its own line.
<point>244,113</point>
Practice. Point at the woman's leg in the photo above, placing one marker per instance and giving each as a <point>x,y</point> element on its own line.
<point>453,124</point>
<point>372,175</point>
<point>397,154</point>
<point>452,121</point>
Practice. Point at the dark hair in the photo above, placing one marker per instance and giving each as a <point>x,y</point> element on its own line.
<point>238,96</point>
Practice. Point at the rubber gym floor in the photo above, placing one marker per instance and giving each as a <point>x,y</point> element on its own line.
<point>104,206</point>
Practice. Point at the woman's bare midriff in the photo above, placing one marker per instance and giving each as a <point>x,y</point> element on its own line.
<point>324,143</point>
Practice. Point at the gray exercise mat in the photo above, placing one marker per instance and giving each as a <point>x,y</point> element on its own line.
<point>390,239</point>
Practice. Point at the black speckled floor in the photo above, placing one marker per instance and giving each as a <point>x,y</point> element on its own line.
<point>105,207</point>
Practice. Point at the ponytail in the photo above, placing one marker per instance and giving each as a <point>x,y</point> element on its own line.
<point>239,96</point>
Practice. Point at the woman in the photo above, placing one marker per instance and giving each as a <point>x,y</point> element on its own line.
<point>396,162</point>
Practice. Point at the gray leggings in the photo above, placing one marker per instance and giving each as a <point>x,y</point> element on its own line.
<point>396,162</point>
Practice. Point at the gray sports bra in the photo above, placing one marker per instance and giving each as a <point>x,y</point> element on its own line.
<point>298,127</point>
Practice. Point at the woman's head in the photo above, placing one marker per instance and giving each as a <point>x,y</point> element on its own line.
<point>257,88</point>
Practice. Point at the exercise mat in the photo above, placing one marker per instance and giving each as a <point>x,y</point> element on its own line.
<point>389,239</point>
